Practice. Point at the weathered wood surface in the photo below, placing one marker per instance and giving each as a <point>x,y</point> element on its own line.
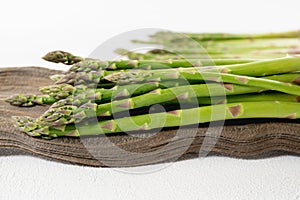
<point>253,139</point>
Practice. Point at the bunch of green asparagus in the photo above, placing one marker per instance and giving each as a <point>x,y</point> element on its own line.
<point>218,45</point>
<point>121,94</point>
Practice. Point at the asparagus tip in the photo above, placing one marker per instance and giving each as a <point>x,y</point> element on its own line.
<point>20,100</point>
<point>62,57</point>
<point>121,51</point>
<point>159,51</point>
<point>26,124</point>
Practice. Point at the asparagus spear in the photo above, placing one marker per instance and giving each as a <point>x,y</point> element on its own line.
<point>292,34</point>
<point>87,65</point>
<point>95,65</point>
<point>234,50</point>
<point>255,97</point>
<point>242,110</point>
<point>223,36</point>
<point>179,55</point>
<point>205,114</point>
<point>257,55</point>
<point>235,54</point>
<point>232,46</point>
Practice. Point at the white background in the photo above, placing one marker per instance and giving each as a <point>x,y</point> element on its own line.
<point>31,28</point>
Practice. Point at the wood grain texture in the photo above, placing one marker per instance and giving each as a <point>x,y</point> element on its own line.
<point>244,139</point>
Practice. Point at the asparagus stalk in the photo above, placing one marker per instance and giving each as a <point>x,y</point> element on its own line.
<point>205,114</point>
<point>242,110</point>
<point>224,36</point>
<point>95,65</point>
<point>255,97</point>
<point>225,50</point>
<point>87,64</point>
<point>221,54</point>
<point>232,46</point>
<point>256,55</point>
<point>192,58</point>
<point>287,88</point>
<point>292,34</point>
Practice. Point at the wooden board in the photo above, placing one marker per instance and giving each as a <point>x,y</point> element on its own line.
<point>249,139</point>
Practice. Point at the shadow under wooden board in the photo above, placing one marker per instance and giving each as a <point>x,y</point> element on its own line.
<point>243,139</point>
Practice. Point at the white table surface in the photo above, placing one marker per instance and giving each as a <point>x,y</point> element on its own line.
<point>210,178</point>
<point>31,28</point>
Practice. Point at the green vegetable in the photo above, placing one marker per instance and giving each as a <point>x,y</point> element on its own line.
<point>242,110</point>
